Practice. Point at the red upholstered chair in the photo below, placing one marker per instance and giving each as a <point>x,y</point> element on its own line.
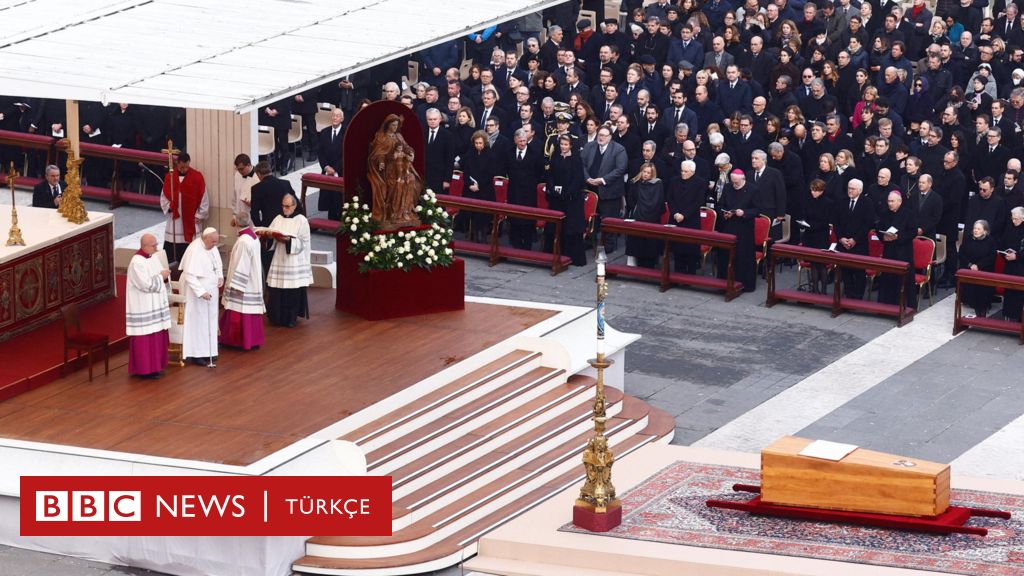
<point>708,217</point>
<point>664,215</point>
<point>457,183</point>
<point>924,253</point>
<point>542,201</point>
<point>590,215</point>
<point>501,189</point>
<point>875,250</point>
<point>762,226</point>
<point>802,265</point>
<point>79,341</point>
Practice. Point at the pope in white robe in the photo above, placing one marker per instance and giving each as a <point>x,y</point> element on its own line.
<point>203,275</point>
<point>241,324</point>
<point>290,270</point>
<point>147,313</point>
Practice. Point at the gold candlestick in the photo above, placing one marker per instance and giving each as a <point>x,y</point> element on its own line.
<point>14,236</point>
<point>71,206</point>
<point>597,509</point>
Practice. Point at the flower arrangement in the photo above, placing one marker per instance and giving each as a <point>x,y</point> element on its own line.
<point>426,246</point>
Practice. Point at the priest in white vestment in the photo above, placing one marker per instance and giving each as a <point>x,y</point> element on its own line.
<point>241,324</point>
<point>290,270</point>
<point>147,312</point>
<point>203,275</point>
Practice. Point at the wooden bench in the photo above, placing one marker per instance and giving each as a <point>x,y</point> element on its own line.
<point>322,182</point>
<point>836,301</point>
<point>994,280</point>
<point>500,211</point>
<point>673,234</point>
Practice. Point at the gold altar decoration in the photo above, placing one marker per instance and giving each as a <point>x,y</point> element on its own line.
<point>71,206</point>
<point>598,492</point>
<point>14,236</point>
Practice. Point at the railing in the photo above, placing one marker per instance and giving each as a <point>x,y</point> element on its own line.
<point>322,182</point>
<point>115,194</point>
<point>993,280</point>
<point>500,211</point>
<point>669,235</point>
<point>836,301</point>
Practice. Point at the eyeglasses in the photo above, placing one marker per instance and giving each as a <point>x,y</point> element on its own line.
<point>808,76</point>
<point>287,205</point>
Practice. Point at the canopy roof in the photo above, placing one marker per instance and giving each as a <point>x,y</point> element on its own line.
<point>224,54</point>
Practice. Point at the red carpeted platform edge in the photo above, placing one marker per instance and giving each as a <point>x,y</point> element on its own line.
<point>33,359</point>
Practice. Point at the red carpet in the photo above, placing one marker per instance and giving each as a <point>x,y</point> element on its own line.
<point>669,507</point>
<point>33,359</point>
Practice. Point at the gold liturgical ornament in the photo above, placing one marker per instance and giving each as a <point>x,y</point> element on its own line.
<point>598,492</point>
<point>71,206</point>
<point>14,236</point>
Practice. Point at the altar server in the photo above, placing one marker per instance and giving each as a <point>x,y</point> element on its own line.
<point>186,204</point>
<point>241,325</point>
<point>203,272</point>
<point>147,315</point>
<point>290,270</point>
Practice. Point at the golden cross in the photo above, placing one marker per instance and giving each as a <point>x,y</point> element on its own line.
<point>11,175</point>
<point>170,151</point>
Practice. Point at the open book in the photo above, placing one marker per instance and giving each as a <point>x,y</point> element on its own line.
<point>276,234</point>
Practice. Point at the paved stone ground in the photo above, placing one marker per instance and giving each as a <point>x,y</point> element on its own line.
<point>708,362</point>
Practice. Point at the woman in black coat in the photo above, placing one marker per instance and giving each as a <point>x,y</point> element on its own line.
<point>564,190</point>
<point>978,252</point>
<point>817,213</point>
<point>648,192</point>
<point>1013,245</point>
<point>684,197</point>
<point>478,181</point>
<point>736,214</point>
<point>897,228</point>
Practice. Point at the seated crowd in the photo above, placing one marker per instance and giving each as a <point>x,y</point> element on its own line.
<point>855,119</point>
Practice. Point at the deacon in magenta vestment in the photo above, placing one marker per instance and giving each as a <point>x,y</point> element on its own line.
<point>241,324</point>
<point>147,313</point>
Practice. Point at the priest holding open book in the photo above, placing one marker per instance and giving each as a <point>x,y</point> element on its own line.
<point>290,270</point>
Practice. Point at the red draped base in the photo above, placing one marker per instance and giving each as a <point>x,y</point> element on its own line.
<point>239,330</point>
<point>148,354</point>
<point>382,294</point>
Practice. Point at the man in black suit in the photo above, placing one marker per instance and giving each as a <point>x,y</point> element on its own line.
<point>439,153</point>
<point>47,194</point>
<point>489,109</point>
<point>745,143</point>
<point>769,187</point>
<point>651,127</point>
<point>329,148</point>
<point>853,220</point>
<point>929,207</point>
<point>992,156</point>
<point>266,205</point>
<point>525,170</point>
<point>952,186</point>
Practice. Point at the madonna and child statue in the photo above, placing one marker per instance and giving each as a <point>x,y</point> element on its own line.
<point>395,184</point>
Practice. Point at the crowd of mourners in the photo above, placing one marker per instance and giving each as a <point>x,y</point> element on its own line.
<point>866,123</point>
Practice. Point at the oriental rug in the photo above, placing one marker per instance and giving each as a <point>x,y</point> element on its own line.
<point>669,507</point>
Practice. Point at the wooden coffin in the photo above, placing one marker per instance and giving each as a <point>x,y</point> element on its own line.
<point>862,481</point>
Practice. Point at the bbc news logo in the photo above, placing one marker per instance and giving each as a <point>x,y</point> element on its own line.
<point>205,506</point>
<point>88,506</point>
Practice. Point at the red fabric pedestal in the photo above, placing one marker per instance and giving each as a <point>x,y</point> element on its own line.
<point>382,294</point>
<point>585,517</point>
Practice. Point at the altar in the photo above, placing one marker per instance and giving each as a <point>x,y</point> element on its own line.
<point>61,263</point>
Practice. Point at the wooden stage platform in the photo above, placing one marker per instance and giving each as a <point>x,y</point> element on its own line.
<point>255,403</point>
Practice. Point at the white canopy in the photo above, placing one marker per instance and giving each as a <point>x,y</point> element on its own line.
<point>223,54</point>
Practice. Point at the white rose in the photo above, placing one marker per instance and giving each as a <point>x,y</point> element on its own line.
<point>420,209</point>
<point>345,206</point>
<point>366,235</point>
<point>401,250</point>
<point>355,199</point>
<point>353,228</point>
<point>429,261</point>
<point>366,258</point>
<point>366,207</point>
<point>426,196</point>
<point>408,257</point>
<point>431,252</point>
<point>448,251</point>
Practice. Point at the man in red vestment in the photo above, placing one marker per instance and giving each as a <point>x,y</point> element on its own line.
<point>186,205</point>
